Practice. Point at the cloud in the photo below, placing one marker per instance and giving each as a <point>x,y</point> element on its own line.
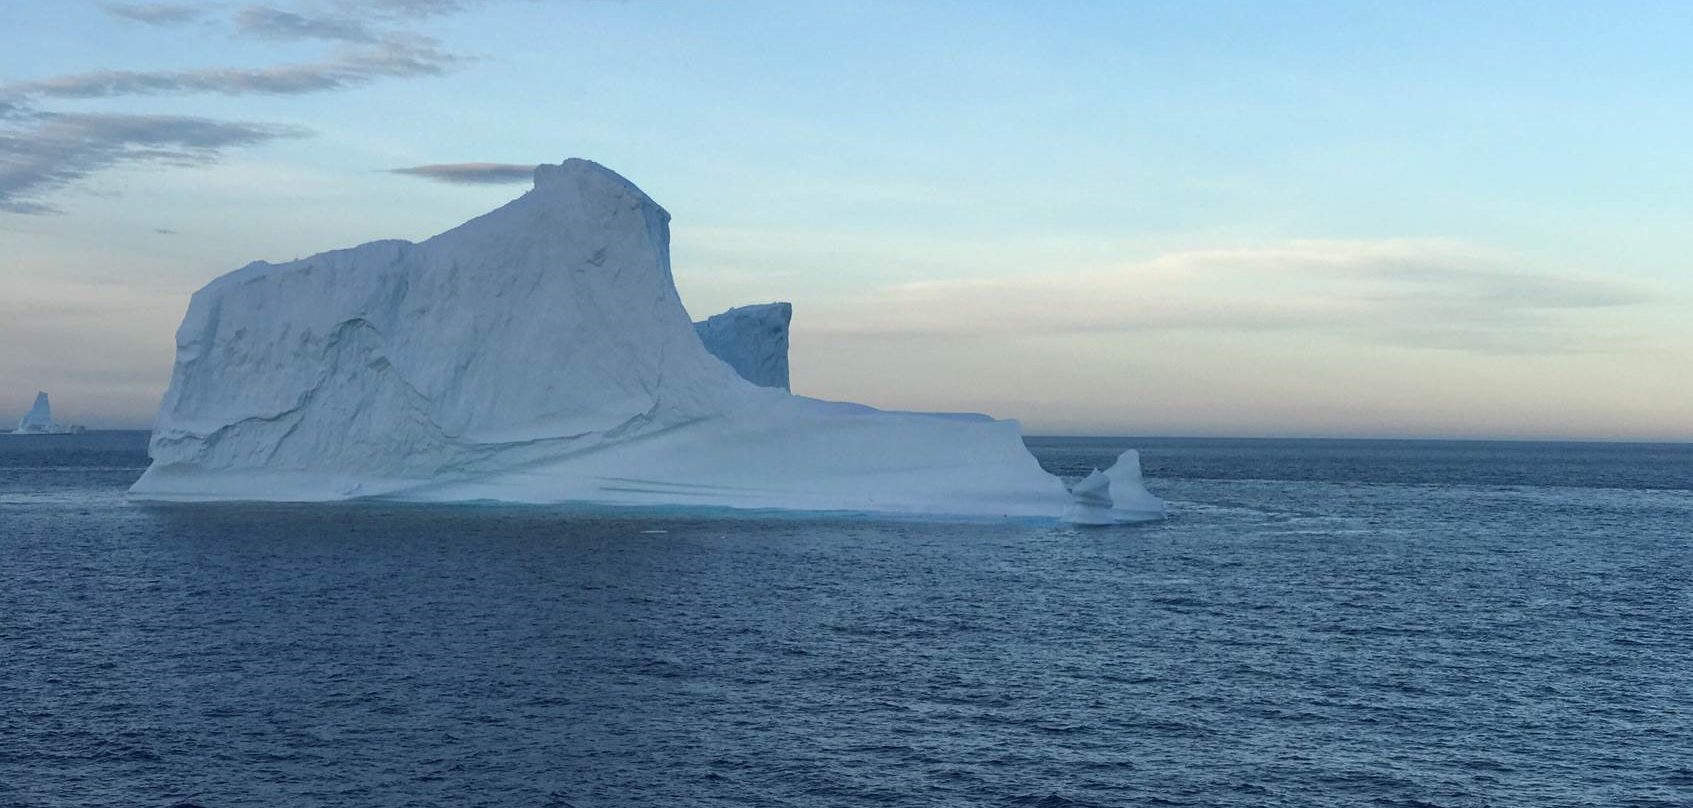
<point>348,23</point>
<point>55,149</point>
<point>471,173</point>
<point>395,57</point>
<point>418,8</point>
<point>1408,292</point>
<point>157,13</point>
<point>41,151</point>
<point>267,22</point>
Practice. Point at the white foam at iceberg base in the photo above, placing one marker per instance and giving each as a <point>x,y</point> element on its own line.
<point>536,354</point>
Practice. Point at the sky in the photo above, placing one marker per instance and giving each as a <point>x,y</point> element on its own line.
<point>1443,220</point>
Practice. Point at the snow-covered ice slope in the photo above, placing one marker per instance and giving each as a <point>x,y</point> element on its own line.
<point>536,354</point>
<point>753,340</point>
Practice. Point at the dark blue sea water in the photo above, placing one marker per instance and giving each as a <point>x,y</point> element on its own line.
<point>1322,623</point>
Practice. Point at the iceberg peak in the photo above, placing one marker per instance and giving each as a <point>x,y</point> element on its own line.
<point>578,182</point>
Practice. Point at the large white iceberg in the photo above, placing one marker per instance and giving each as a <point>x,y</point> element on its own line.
<point>536,354</point>
<point>39,420</point>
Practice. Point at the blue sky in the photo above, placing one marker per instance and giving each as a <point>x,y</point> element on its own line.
<point>1432,219</point>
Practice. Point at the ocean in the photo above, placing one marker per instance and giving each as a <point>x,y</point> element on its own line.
<point>1320,623</point>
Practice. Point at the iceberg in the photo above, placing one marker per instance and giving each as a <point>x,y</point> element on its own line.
<point>541,354</point>
<point>753,340</point>
<point>1091,503</point>
<point>39,420</point>
<point>1115,496</point>
<point>1130,501</point>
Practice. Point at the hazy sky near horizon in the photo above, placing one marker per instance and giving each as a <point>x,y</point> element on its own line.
<point>1441,219</point>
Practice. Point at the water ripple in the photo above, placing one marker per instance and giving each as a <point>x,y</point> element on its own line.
<point>1377,625</point>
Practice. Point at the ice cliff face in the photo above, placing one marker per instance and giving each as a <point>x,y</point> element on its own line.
<point>538,353</point>
<point>753,340</point>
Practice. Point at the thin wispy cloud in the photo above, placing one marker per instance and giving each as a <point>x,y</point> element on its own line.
<point>44,151</point>
<point>47,151</point>
<point>53,150</point>
<point>345,20</point>
<point>412,9</point>
<point>267,22</point>
<point>471,173</point>
<point>158,13</point>
<point>350,67</point>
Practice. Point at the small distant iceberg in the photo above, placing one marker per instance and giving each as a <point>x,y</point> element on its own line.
<point>39,420</point>
<point>1114,496</point>
<point>540,354</point>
